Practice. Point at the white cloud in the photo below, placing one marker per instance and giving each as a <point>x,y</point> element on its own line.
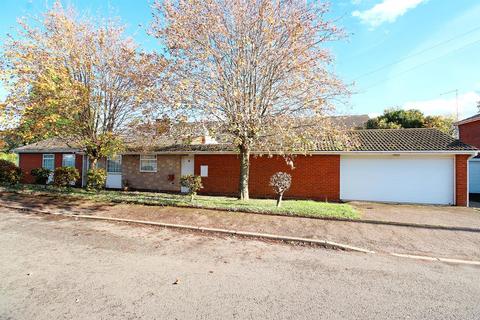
<point>386,11</point>
<point>467,105</point>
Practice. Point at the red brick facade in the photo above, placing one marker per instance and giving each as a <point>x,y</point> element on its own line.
<point>461,179</point>
<point>29,161</point>
<point>314,177</point>
<point>469,133</point>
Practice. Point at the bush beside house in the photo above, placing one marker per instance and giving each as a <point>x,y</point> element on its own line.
<point>96,179</point>
<point>193,183</point>
<point>41,175</point>
<point>9,172</point>
<point>65,176</point>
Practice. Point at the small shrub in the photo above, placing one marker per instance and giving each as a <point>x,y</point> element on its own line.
<point>41,175</point>
<point>10,173</point>
<point>126,185</point>
<point>280,182</point>
<point>65,176</point>
<point>96,179</point>
<point>193,183</point>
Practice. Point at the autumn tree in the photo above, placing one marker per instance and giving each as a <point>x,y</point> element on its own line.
<point>77,77</point>
<point>257,71</point>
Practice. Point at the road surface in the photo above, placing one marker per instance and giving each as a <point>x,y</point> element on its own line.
<point>55,268</point>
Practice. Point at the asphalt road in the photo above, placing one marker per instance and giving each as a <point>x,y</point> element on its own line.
<point>54,268</point>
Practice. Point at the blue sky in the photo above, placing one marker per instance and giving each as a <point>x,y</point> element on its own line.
<point>403,53</point>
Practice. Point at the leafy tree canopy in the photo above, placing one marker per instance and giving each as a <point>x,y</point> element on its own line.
<point>413,118</point>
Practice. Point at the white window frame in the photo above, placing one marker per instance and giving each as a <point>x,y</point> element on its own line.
<point>65,155</point>
<point>204,171</point>
<point>148,157</point>
<point>117,158</point>
<point>50,156</point>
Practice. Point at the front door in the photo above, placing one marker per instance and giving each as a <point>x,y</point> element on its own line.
<point>114,172</point>
<point>187,168</point>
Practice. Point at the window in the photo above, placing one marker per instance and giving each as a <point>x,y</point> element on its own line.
<point>114,164</point>
<point>68,160</point>
<point>148,163</point>
<point>203,171</point>
<point>48,162</point>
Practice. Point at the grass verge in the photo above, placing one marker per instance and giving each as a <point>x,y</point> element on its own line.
<point>303,208</point>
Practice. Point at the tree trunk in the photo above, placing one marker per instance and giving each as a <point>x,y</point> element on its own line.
<point>92,163</point>
<point>244,173</point>
<point>279,200</point>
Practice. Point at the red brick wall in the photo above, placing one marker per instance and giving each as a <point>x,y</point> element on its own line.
<point>29,161</point>
<point>461,179</point>
<point>470,133</point>
<point>314,177</point>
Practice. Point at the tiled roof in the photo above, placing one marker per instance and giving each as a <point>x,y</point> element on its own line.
<point>422,139</point>
<point>371,140</point>
<point>49,145</point>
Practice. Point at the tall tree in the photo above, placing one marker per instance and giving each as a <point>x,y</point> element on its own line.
<point>257,70</point>
<point>77,77</point>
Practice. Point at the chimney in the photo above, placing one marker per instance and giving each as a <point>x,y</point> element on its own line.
<point>206,138</point>
<point>162,126</point>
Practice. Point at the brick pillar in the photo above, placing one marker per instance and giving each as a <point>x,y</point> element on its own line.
<point>461,180</point>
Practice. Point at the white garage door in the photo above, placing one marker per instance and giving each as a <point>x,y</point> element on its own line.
<point>422,179</point>
<point>474,176</point>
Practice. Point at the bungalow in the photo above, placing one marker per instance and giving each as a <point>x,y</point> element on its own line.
<point>395,165</point>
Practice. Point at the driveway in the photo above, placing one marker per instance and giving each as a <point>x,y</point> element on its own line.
<point>54,268</point>
<point>420,214</point>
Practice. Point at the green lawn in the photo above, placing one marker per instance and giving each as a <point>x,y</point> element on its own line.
<point>306,208</point>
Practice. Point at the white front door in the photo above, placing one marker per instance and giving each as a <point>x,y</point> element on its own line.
<point>187,168</point>
<point>409,179</point>
<point>114,172</point>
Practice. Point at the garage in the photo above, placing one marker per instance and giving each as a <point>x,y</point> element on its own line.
<point>474,176</point>
<point>398,178</point>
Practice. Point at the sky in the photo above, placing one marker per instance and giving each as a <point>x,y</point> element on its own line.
<point>398,53</point>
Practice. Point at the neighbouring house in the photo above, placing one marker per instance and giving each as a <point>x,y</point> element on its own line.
<point>469,132</point>
<point>393,165</point>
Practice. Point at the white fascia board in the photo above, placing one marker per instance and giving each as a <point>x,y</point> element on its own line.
<point>433,152</point>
